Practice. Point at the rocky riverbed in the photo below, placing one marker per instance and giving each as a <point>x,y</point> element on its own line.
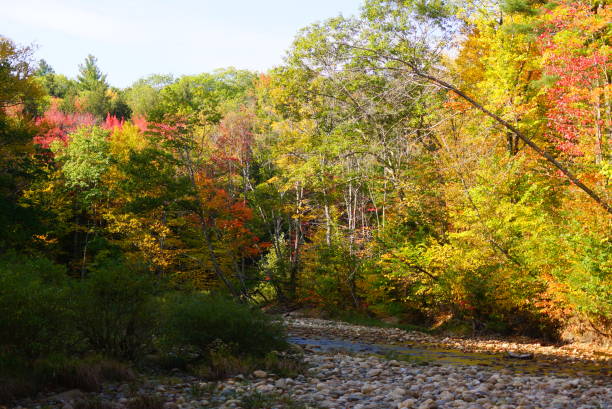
<point>346,377</point>
<point>314,327</point>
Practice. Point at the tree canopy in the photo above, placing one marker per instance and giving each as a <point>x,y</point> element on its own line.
<point>438,161</point>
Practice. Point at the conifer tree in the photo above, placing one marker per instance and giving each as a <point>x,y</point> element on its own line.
<point>90,76</point>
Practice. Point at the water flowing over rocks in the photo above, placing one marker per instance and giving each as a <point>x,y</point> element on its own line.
<point>360,380</point>
<point>313,327</point>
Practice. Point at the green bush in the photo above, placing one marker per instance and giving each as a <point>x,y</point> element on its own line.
<point>198,321</point>
<point>116,309</point>
<point>15,379</point>
<point>35,307</point>
<point>329,275</point>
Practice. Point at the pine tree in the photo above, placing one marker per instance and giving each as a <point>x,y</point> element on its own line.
<point>44,68</point>
<point>90,77</point>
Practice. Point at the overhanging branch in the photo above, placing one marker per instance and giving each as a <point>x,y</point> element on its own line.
<point>443,84</point>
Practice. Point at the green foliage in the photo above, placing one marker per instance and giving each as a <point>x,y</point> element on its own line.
<point>95,101</point>
<point>85,161</point>
<point>143,97</point>
<point>210,95</point>
<point>519,6</point>
<point>90,76</point>
<point>275,266</point>
<point>36,306</point>
<point>198,321</point>
<point>329,275</point>
<point>590,277</point>
<point>116,308</point>
<point>18,171</point>
<point>68,104</point>
<point>118,106</point>
<point>342,179</point>
<point>18,167</point>
<point>56,85</point>
<point>16,76</point>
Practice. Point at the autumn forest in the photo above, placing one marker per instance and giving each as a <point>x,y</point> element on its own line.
<point>442,164</point>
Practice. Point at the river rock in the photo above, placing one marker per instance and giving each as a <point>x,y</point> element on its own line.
<point>348,379</point>
<point>374,372</point>
<point>398,393</point>
<point>407,404</point>
<point>367,388</point>
<point>260,374</point>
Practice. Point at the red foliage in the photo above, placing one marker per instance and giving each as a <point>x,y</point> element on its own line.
<point>56,125</point>
<point>234,141</point>
<point>172,129</point>
<point>221,210</point>
<point>577,66</point>
<point>113,122</point>
<point>230,216</point>
<point>141,122</point>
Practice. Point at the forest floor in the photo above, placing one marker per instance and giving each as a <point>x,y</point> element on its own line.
<point>360,367</point>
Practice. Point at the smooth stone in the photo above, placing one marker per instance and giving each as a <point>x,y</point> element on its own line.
<point>367,388</point>
<point>407,404</point>
<point>445,395</point>
<point>260,374</point>
<point>428,404</point>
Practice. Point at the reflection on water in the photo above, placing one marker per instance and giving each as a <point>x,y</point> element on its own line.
<point>427,355</point>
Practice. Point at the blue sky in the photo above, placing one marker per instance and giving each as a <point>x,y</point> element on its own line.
<point>135,38</point>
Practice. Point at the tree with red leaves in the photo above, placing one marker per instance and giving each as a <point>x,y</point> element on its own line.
<point>56,126</point>
<point>576,56</point>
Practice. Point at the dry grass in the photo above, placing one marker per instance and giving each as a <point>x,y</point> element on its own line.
<point>257,400</point>
<point>284,364</point>
<point>146,402</point>
<point>15,387</point>
<point>89,374</point>
<point>93,403</point>
<point>222,364</point>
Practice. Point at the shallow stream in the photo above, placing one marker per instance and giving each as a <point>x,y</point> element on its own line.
<point>431,355</point>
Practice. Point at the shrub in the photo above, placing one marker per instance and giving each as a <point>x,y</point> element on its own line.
<point>221,364</point>
<point>200,320</point>
<point>14,378</point>
<point>329,276</point>
<point>117,309</point>
<point>34,306</point>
